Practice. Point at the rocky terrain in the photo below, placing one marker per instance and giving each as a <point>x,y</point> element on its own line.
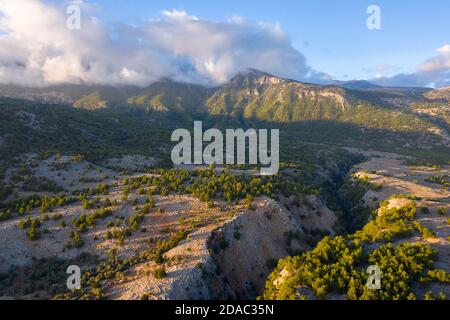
<point>228,253</point>
<point>391,185</point>
<point>86,179</point>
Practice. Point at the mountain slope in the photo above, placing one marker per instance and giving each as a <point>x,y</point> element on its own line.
<point>378,117</point>
<point>265,97</point>
<point>436,107</point>
<point>164,96</point>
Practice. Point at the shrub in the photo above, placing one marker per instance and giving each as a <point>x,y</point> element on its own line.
<point>425,210</point>
<point>338,265</point>
<point>438,275</point>
<point>24,224</point>
<point>160,273</point>
<point>33,233</point>
<point>77,241</point>
<point>424,231</point>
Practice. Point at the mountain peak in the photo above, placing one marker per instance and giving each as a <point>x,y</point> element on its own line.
<point>258,73</point>
<point>253,77</point>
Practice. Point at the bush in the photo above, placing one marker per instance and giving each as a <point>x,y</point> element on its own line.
<point>390,224</point>
<point>438,275</point>
<point>77,241</point>
<point>338,265</point>
<point>24,224</point>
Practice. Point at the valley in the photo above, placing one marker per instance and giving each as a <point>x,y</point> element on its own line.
<point>150,222</point>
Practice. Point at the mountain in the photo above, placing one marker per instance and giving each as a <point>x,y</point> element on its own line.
<point>442,94</point>
<point>161,96</point>
<point>436,106</point>
<point>354,112</point>
<point>253,94</point>
<point>261,96</point>
<point>60,94</point>
<point>265,97</point>
<point>97,97</point>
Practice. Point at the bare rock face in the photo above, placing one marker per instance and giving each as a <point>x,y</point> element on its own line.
<point>312,213</point>
<point>191,275</point>
<point>232,260</point>
<point>247,248</point>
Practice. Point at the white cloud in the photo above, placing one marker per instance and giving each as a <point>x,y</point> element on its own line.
<point>177,14</point>
<point>36,48</point>
<point>434,72</point>
<point>438,63</point>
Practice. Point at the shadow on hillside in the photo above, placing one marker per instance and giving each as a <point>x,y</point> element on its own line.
<point>107,132</point>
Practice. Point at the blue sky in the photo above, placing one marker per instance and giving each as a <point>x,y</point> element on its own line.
<point>331,34</point>
<point>137,42</point>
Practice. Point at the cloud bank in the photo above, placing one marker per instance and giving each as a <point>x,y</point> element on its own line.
<point>37,49</point>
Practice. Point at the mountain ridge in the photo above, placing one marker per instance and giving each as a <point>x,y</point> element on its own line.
<point>90,96</point>
<point>260,96</point>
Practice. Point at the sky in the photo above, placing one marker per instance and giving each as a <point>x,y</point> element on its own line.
<point>207,42</point>
<point>331,34</point>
